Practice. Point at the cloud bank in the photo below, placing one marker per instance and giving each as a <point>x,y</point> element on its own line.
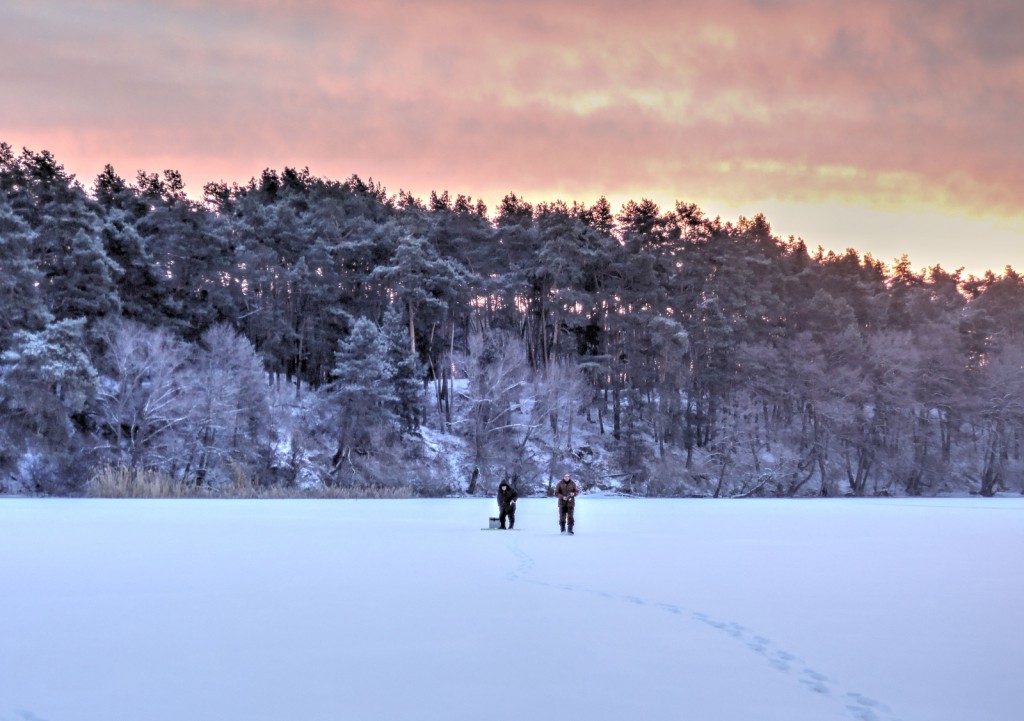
<point>908,106</point>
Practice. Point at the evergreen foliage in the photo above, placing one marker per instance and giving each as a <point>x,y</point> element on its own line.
<point>300,330</point>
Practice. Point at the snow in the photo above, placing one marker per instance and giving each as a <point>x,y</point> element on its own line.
<point>753,610</point>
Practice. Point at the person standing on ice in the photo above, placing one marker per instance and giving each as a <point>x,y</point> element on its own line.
<point>566,492</point>
<point>507,505</point>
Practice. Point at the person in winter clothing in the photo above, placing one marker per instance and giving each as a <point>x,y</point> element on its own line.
<point>566,491</point>
<point>507,504</point>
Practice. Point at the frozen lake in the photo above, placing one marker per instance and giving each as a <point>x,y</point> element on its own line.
<point>757,610</point>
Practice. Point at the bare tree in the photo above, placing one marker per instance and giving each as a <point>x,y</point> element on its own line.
<point>560,390</point>
<point>495,403</point>
<point>230,417</point>
<point>143,403</point>
<point>1000,411</point>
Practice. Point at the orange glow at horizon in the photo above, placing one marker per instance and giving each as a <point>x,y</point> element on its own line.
<point>887,127</point>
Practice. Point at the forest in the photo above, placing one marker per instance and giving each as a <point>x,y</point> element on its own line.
<point>303,334</point>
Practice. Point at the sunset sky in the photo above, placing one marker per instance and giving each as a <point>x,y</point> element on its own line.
<point>890,127</point>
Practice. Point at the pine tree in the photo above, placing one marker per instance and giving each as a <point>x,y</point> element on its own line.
<point>141,287</point>
<point>408,372</point>
<point>20,280</point>
<point>362,394</point>
<point>192,253</point>
<point>427,285</point>
<point>47,382</point>
<point>78,277</point>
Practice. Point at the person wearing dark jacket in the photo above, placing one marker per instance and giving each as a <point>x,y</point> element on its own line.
<point>566,492</point>
<point>507,504</point>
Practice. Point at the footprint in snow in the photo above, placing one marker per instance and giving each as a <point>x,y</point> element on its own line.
<point>859,707</point>
<point>815,681</point>
<point>864,708</point>
<point>735,630</point>
<point>29,716</point>
<point>759,644</point>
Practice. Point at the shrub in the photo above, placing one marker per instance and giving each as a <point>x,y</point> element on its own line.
<point>123,482</point>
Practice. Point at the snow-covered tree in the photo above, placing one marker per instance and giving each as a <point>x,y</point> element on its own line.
<point>362,395</point>
<point>494,407</point>
<point>144,407</point>
<point>46,383</point>
<point>78,279</point>
<point>230,419</point>
<point>20,280</point>
<point>407,375</point>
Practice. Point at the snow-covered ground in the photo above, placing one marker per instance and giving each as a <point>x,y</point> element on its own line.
<point>774,610</point>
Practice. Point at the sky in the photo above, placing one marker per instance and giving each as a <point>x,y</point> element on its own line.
<point>892,127</point>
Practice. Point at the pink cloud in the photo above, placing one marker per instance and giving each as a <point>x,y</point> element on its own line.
<point>740,100</point>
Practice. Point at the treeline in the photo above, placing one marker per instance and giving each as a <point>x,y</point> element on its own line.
<point>299,330</point>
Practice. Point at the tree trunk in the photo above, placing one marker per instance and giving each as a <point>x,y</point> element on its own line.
<point>616,413</point>
<point>990,474</point>
<point>569,420</point>
<point>412,329</point>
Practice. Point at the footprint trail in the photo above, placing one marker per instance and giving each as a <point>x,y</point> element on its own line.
<point>854,705</point>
